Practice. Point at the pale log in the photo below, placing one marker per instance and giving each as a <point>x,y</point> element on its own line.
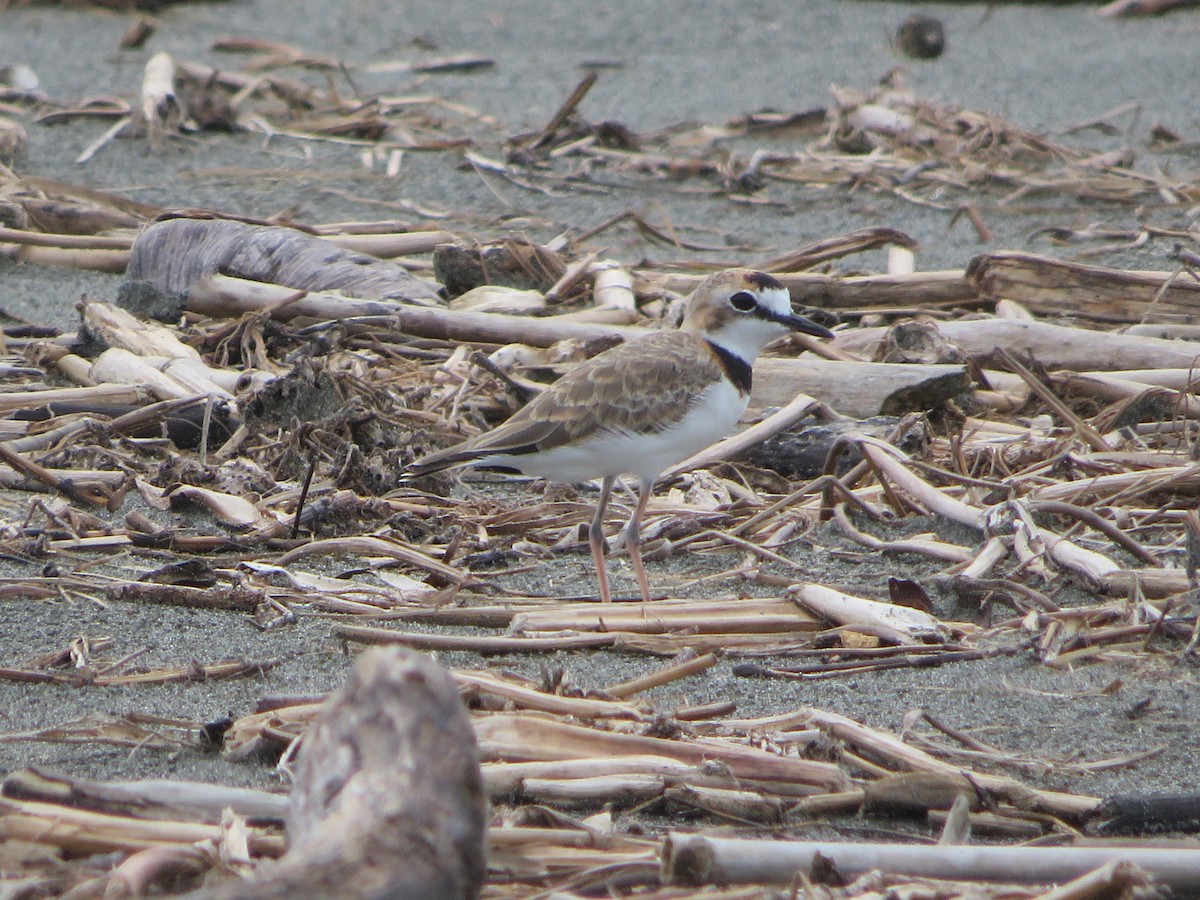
<point>918,289</point>
<point>122,367</point>
<point>65,241</point>
<point>858,389</point>
<point>698,860</point>
<point>1113,388</point>
<point>113,261</point>
<point>1057,287</point>
<point>388,246</point>
<point>115,327</point>
<point>100,394</point>
<point>1054,346</point>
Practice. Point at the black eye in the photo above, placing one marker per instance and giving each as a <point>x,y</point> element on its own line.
<point>743,301</point>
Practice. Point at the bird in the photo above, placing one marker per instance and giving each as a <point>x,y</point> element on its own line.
<point>643,405</point>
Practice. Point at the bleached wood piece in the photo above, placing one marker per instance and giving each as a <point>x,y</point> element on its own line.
<point>694,859</point>
<point>102,394</point>
<point>1051,286</point>
<point>388,798</point>
<point>1129,484</point>
<point>1173,379</point>
<point>161,106</point>
<point>182,798</point>
<point>885,458</point>
<point>65,241</point>
<point>1112,388</point>
<point>116,327</point>
<point>523,737</point>
<point>919,289</point>
<point>1054,346</point>
<point>612,286</point>
<point>857,389</point>
<point>113,261</point>
<point>119,366</point>
<point>909,625</point>
<point>389,246</point>
<point>529,698</point>
<point>1093,566</point>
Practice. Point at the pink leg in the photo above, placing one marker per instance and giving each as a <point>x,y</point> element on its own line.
<point>596,538</point>
<point>633,538</point>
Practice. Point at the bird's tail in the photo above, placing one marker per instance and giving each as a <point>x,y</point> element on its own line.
<point>440,460</point>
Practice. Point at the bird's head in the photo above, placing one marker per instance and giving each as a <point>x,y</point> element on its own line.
<point>743,311</point>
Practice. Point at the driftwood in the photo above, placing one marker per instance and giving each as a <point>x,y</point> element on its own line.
<point>1056,287</point>
<point>176,253</point>
<point>917,289</point>
<point>858,390</point>
<point>696,860</point>
<point>388,799</point>
<point>153,799</point>
<point>222,296</point>
<point>803,451</point>
<point>512,263</point>
<point>116,327</point>
<point>1054,346</point>
<point>162,108</point>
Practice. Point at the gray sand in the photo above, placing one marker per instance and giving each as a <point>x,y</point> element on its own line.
<point>1043,67</point>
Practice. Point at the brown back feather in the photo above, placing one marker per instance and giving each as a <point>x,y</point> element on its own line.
<point>641,386</point>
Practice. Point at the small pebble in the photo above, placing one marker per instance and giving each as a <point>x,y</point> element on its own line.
<point>921,37</point>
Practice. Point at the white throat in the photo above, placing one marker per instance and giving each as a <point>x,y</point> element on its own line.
<point>746,337</point>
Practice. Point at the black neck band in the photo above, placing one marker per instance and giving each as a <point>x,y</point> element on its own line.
<point>738,370</point>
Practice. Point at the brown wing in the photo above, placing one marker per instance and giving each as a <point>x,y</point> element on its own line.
<point>641,386</point>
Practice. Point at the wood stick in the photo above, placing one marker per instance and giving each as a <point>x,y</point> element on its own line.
<point>222,296</point>
<point>116,327</point>
<point>113,261</point>
<point>665,675</point>
<point>480,644</point>
<point>519,695</point>
<point>906,624</point>
<point>920,289</point>
<point>389,246</point>
<point>698,860</point>
<point>1054,346</point>
<point>161,107</point>
<point>64,241</point>
<point>1085,431</point>
<point>884,458</point>
<point>522,737</point>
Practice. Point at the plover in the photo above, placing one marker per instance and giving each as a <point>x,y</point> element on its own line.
<point>643,405</point>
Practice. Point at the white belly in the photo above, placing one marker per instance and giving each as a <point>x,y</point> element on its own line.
<point>711,418</point>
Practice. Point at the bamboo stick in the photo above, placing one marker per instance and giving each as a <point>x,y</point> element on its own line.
<point>698,860</point>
